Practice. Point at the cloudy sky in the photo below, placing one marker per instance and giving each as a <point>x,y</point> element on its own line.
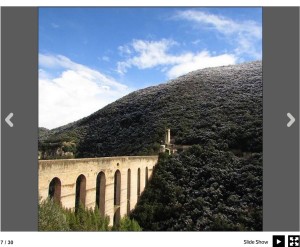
<point>89,57</point>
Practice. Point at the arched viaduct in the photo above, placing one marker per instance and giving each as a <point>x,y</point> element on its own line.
<point>114,184</point>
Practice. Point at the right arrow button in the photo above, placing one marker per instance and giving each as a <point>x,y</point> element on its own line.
<point>292,120</point>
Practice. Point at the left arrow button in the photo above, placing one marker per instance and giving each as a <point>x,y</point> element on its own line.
<point>7,119</point>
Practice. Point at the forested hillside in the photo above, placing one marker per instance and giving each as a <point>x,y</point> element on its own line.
<point>218,106</point>
<point>203,189</point>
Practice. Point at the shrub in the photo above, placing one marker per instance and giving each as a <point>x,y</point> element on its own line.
<point>52,217</point>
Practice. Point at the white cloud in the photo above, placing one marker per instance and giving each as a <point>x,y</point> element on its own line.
<point>245,35</point>
<point>54,25</point>
<point>75,93</point>
<point>106,58</point>
<point>196,42</point>
<point>150,54</point>
<point>124,49</point>
<point>200,61</point>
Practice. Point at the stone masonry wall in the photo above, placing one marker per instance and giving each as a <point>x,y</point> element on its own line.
<point>68,170</point>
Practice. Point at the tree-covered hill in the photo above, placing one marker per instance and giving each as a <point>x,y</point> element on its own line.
<point>203,189</point>
<point>43,133</point>
<point>220,107</point>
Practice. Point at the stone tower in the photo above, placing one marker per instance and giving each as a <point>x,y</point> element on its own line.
<point>167,137</point>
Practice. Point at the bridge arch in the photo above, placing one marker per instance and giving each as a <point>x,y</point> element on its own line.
<point>54,191</point>
<point>146,176</point>
<point>139,182</point>
<point>100,192</point>
<point>117,197</point>
<point>80,191</point>
<point>128,190</point>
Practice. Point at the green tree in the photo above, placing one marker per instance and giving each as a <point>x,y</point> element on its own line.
<point>127,224</point>
<point>52,217</point>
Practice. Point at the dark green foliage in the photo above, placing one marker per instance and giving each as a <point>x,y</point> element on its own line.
<point>69,147</point>
<point>57,150</point>
<point>43,133</point>
<point>203,189</point>
<point>127,224</point>
<point>86,220</point>
<point>221,107</point>
<point>52,217</point>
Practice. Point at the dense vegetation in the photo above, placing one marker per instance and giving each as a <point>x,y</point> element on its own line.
<point>43,133</point>
<point>216,105</point>
<point>52,217</point>
<point>203,189</point>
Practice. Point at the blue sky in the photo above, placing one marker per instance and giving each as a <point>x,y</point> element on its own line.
<point>89,57</point>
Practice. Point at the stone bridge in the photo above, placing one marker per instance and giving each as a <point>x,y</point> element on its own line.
<point>114,184</point>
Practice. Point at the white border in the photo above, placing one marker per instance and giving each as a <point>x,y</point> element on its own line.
<point>138,239</point>
<point>171,239</point>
